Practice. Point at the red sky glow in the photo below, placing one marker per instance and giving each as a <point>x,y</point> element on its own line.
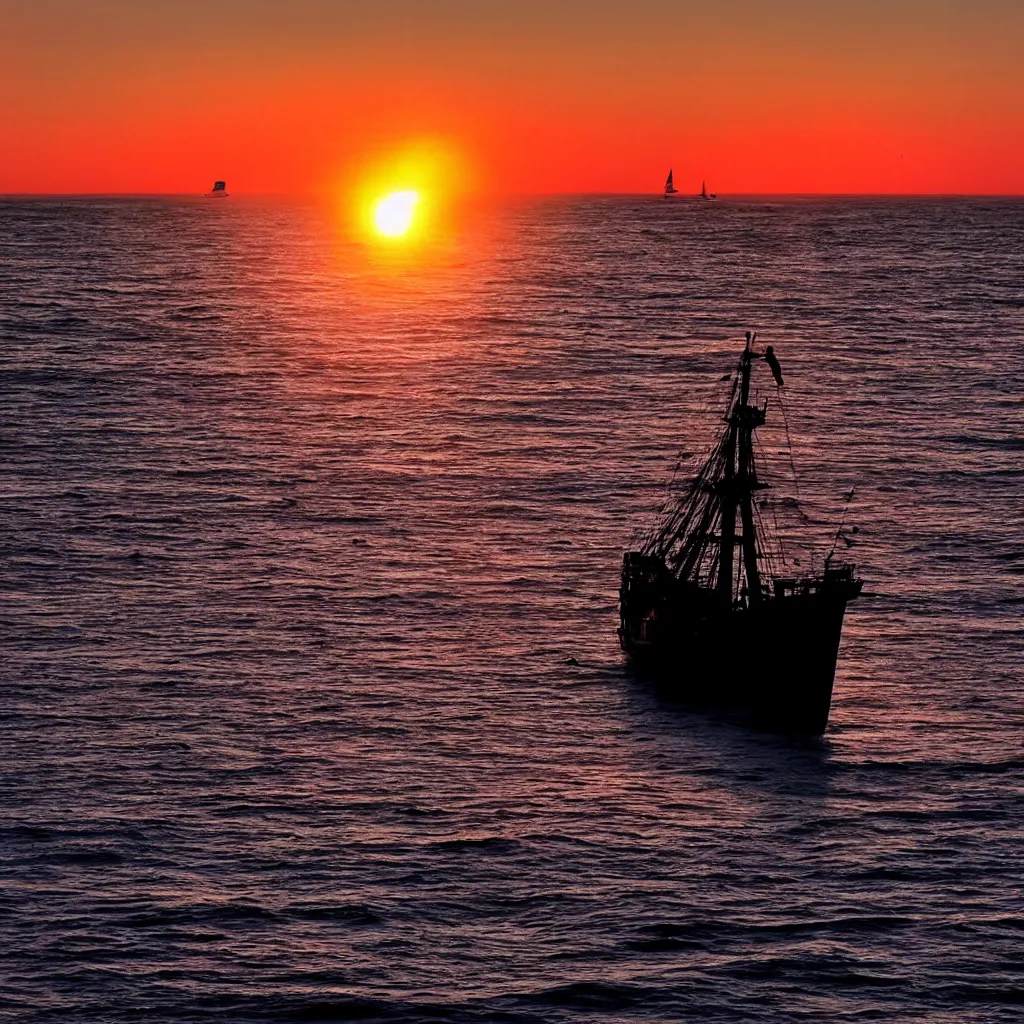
<point>912,96</point>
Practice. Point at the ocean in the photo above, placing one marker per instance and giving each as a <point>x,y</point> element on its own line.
<point>312,701</point>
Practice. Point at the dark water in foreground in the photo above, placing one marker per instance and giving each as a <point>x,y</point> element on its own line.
<point>297,543</point>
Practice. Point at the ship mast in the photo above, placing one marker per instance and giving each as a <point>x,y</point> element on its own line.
<point>738,485</point>
<point>698,538</point>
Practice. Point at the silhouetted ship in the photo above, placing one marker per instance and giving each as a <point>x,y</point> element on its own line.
<point>704,193</point>
<point>734,632</point>
<point>670,189</point>
<point>219,190</point>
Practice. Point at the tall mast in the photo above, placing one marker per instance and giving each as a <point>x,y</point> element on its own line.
<point>728,531</point>
<point>738,484</point>
<point>698,539</point>
<point>747,482</point>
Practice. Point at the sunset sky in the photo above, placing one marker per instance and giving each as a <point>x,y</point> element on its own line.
<point>537,96</point>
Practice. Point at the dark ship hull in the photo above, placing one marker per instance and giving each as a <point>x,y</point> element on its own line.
<point>774,661</point>
<point>707,605</point>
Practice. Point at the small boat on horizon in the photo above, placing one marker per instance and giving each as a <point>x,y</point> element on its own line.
<point>219,190</point>
<point>714,614</point>
<point>705,194</point>
<point>670,189</point>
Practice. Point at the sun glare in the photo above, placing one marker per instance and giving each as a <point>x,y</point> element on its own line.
<point>402,201</point>
<point>394,214</point>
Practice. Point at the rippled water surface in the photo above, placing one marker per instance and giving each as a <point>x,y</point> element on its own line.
<point>312,705</point>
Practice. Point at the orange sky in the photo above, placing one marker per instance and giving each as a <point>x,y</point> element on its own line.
<point>162,96</point>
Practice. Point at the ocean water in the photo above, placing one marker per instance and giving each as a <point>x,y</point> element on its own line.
<point>312,706</point>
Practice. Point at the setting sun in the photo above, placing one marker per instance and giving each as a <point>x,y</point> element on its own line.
<point>393,215</point>
<point>403,197</point>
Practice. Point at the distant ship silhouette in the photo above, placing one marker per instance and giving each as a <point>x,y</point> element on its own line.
<point>219,190</point>
<point>671,190</point>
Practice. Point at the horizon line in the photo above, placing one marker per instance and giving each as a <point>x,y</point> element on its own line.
<point>655,194</point>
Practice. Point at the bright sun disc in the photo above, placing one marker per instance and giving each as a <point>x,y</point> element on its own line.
<point>394,213</point>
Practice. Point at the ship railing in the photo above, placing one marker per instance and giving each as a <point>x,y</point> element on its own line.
<point>797,586</point>
<point>802,586</point>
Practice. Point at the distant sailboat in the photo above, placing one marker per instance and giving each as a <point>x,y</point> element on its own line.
<point>219,190</point>
<point>704,193</point>
<point>670,189</point>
